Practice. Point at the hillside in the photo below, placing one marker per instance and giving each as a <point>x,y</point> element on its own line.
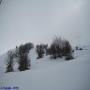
<point>50,74</point>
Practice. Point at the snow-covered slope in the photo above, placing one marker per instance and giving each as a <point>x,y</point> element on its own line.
<point>50,74</point>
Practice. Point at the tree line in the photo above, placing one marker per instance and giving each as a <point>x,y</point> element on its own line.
<point>59,48</point>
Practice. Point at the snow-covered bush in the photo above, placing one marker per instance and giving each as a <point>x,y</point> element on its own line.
<point>41,50</point>
<point>11,54</point>
<point>9,62</point>
<point>67,50</point>
<point>60,47</point>
<point>21,54</point>
<point>24,62</point>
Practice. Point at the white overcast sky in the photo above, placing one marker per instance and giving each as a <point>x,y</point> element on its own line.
<point>38,21</point>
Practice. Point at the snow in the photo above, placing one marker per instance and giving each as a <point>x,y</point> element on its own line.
<point>50,74</point>
<point>39,21</point>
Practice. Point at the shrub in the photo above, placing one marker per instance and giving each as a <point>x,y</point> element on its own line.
<point>55,50</point>
<point>41,50</point>
<point>24,62</point>
<point>67,49</point>
<point>9,65</point>
<point>61,48</point>
<point>48,51</point>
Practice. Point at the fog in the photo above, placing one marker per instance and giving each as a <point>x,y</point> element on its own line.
<point>38,21</point>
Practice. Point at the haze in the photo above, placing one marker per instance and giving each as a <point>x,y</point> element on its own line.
<point>38,21</point>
